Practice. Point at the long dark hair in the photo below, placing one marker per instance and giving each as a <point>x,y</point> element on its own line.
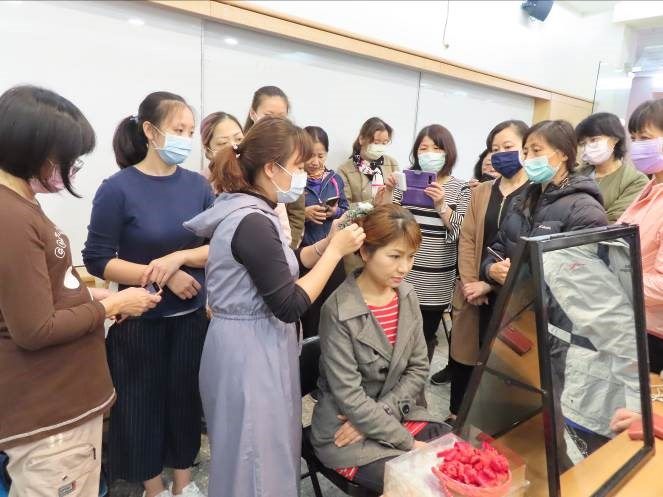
<point>258,96</point>
<point>442,138</point>
<point>368,130</point>
<point>37,125</point>
<point>129,141</point>
<point>272,139</point>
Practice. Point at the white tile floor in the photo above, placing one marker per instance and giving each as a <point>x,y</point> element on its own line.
<point>436,396</point>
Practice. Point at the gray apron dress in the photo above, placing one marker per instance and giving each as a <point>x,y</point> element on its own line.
<point>249,374</point>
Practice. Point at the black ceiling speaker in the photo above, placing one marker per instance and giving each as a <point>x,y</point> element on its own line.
<point>538,9</point>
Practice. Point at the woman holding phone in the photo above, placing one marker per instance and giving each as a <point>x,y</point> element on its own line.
<point>325,201</point>
<point>434,272</point>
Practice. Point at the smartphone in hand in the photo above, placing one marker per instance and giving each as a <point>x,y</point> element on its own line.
<point>153,288</point>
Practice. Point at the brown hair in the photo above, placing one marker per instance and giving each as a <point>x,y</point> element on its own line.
<point>442,138</point>
<point>272,139</point>
<point>368,130</point>
<point>260,93</point>
<point>560,135</point>
<point>208,125</point>
<point>389,222</point>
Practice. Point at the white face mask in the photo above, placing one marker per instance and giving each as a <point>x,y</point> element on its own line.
<point>375,150</point>
<point>297,186</point>
<point>597,152</point>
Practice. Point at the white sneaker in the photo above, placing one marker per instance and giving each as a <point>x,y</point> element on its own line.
<point>165,493</point>
<point>191,490</point>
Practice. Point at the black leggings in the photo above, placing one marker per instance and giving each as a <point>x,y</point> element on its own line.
<point>432,319</point>
<point>156,420</point>
<point>371,475</point>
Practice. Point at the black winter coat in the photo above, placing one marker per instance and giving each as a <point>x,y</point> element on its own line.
<point>573,205</point>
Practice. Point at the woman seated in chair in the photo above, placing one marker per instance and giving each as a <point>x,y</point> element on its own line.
<point>374,361</point>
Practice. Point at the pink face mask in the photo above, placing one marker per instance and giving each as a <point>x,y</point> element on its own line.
<point>55,183</point>
<point>647,155</point>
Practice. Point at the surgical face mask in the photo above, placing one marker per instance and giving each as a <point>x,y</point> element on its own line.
<point>55,183</point>
<point>175,148</point>
<point>539,169</point>
<point>597,152</point>
<point>647,155</point>
<point>297,185</point>
<point>506,163</point>
<point>432,162</point>
<point>375,150</point>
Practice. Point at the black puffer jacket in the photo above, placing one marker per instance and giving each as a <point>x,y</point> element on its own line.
<point>574,205</point>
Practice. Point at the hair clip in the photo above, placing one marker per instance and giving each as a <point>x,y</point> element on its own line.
<point>237,152</point>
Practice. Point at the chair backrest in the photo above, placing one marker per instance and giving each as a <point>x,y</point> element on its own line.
<point>309,361</point>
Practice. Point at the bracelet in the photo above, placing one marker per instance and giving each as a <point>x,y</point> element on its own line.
<point>442,211</point>
<point>315,247</point>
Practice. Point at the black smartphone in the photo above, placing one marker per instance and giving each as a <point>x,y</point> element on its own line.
<point>332,202</point>
<point>153,288</point>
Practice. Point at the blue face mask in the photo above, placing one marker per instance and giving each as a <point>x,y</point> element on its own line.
<point>297,186</point>
<point>506,163</point>
<point>175,148</point>
<point>539,170</point>
<point>432,162</point>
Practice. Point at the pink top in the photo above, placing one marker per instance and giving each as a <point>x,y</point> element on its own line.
<point>647,212</point>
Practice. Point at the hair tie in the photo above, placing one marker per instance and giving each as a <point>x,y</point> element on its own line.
<point>134,119</point>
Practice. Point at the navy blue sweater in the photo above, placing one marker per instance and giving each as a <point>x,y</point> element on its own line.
<point>138,218</point>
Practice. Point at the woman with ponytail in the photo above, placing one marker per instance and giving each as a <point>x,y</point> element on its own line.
<point>136,238</point>
<point>271,101</point>
<point>249,374</point>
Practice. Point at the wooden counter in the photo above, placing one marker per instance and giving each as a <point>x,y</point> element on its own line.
<point>588,475</point>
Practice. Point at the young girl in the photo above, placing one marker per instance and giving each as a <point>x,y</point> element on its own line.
<point>271,101</point>
<point>434,271</point>
<point>373,358</point>
<point>54,381</point>
<point>321,186</point>
<point>249,377</point>
<point>136,237</point>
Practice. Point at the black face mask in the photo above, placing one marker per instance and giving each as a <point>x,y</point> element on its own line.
<point>486,177</point>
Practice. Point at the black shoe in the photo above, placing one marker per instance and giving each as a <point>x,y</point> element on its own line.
<point>441,377</point>
<point>315,394</point>
<point>451,421</point>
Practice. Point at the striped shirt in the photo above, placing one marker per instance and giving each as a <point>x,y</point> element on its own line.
<point>387,316</point>
<point>435,263</point>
